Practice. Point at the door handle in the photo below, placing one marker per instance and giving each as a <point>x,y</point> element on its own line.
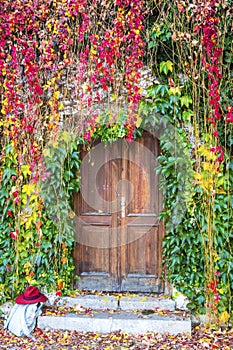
<point>123,207</point>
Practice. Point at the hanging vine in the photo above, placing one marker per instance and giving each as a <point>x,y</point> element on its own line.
<point>71,71</point>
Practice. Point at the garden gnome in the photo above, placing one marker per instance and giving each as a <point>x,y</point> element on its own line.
<point>23,316</point>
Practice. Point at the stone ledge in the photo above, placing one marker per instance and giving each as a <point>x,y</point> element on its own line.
<point>112,302</point>
<point>128,322</point>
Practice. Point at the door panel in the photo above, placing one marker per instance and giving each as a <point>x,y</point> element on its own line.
<point>96,254</point>
<point>119,237</point>
<point>140,260</point>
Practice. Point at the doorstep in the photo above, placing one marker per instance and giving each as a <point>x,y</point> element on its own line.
<point>132,314</point>
<point>124,302</point>
<point>103,321</point>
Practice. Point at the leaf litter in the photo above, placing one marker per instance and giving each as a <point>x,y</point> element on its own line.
<point>202,338</point>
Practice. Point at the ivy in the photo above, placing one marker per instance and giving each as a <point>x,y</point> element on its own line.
<point>188,203</point>
<point>37,238</point>
<point>58,66</point>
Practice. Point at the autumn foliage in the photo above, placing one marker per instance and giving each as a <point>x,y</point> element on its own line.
<point>72,68</point>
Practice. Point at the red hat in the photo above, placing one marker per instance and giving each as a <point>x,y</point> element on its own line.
<point>31,295</point>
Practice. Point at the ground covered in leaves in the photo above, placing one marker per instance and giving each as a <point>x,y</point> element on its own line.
<point>202,338</point>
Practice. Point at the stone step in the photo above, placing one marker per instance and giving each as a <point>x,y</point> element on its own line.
<point>105,321</point>
<point>124,302</point>
<point>133,314</point>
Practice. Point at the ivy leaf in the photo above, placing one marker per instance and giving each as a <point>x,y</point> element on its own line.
<point>138,121</point>
<point>174,90</point>
<point>224,317</point>
<point>26,170</point>
<point>186,101</point>
<point>165,67</point>
<point>186,115</point>
<point>7,173</point>
<point>46,153</point>
<point>66,136</point>
<point>28,189</point>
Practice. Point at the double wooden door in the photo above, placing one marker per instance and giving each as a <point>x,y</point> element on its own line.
<point>119,237</point>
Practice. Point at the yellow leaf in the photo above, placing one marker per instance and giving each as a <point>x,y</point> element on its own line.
<point>93,51</point>
<point>207,166</point>
<point>28,224</point>
<point>24,199</point>
<point>113,97</point>
<point>205,340</point>
<point>221,291</point>
<point>97,119</point>
<point>27,265</point>
<point>33,197</point>
<point>207,153</point>
<point>56,94</point>
<point>34,282</point>
<point>143,299</point>
<point>46,152</point>
<point>66,136</point>
<point>221,191</point>
<point>174,90</point>
<point>28,189</point>
<point>26,170</point>
<point>138,121</point>
<point>224,317</point>
<point>115,337</point>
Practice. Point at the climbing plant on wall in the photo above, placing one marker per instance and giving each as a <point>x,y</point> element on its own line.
<point>71,71</point>
<point>59,60</point>
<point>201,71</point>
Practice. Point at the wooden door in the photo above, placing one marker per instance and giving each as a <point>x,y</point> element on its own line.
<point>119,237</point>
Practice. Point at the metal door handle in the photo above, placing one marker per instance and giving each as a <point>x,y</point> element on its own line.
<point>123,207</point>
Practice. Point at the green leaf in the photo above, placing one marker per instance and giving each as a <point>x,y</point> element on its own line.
<point>25,170</point>
<point>66,136</point>
<point>185,101</point>
<point>165,67</point>
<point>7,173</point>
<point>186,115</point>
